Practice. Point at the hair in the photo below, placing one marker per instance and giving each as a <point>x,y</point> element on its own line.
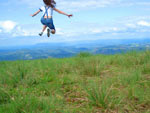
<point>53,1</point>
<point>49,3</point>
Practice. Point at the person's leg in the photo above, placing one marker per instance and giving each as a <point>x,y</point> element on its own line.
<point>53,31</point>
<point>48,32</point>
<point>44,27</point>
<point>51,26</point>
<point>43,21</point>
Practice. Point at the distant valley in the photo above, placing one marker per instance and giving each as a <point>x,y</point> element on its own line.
<point>69,49</point>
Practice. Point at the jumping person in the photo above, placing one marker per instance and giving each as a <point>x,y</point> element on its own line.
<point>47,18</point>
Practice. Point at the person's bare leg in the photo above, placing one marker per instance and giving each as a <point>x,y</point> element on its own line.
<point>44,27</point>
<point>53,31</point>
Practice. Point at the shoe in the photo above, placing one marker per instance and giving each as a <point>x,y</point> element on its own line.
<point>41,34</point>
<point>48,32</point>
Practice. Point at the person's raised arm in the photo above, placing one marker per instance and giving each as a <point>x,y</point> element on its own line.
<point>61,12</point>
<point>35,13</point>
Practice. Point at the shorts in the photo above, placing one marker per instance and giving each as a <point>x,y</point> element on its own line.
<point>48,22</point>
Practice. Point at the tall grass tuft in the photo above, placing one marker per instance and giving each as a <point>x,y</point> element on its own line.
<point>4,96</point>
<point>84,54</point>
<point>103,95</point>
<point>89,66</point>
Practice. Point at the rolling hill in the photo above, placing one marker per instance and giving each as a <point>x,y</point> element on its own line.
<point>86,83</point>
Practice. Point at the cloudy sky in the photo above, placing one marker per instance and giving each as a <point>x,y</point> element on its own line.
<point>92,20</point>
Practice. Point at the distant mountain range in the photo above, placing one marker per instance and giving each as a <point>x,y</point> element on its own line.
<point>69,49</point>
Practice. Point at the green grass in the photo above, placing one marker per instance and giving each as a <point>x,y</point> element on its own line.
<point>82,84</point>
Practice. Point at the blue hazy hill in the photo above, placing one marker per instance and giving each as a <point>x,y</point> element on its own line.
<point>69,49</point>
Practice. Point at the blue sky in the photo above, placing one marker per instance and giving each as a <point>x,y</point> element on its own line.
<point>92,20</point>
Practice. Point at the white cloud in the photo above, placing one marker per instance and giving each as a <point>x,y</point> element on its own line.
<point>102,29</point>
<point>84,4</point>
<point>132,25</point>
<point>96,30</point>
<point>8,25</point>
<point>15,29</point>
<point>77,5</point>
<point>36,3</point>
<point>22,31</point>
<point>126,26</point>
<point>72,5</point>
<point>59,31</point>
<point>143,23</point>
<point>143,3</point>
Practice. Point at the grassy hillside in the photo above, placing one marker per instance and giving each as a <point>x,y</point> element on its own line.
<point>83,84</point>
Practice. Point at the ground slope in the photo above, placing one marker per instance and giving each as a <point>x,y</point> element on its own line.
<point>83,84</point>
